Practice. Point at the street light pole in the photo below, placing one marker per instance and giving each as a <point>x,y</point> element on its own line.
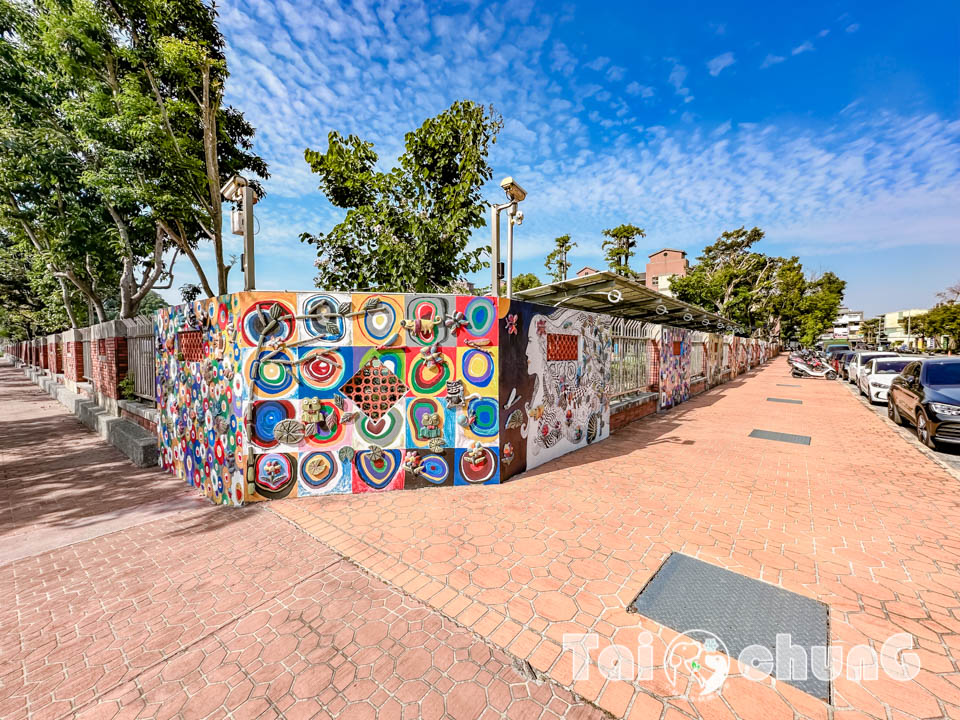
<point>515,194</point>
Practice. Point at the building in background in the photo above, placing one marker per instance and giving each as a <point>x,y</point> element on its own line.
<point>662,267</point>
<point>897,329</point>
<point>846,326</point>
<point>586,270</point>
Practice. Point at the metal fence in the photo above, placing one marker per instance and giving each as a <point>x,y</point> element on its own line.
<point>630,359</point>
<point>141,356</point>
<point>87,357</point>
<point>698,365</point>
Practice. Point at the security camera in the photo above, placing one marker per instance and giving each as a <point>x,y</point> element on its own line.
<point>514,191</point>
<point>518,218</point>
<point>231,190</point>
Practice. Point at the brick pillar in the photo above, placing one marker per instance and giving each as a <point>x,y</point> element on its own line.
<point>54,354</point>
<point>109,360</point>
<point>72,358</point>
<point>653,367</point>
<point>44,359</point>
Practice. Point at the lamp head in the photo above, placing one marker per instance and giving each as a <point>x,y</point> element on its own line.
<point>513,190</point>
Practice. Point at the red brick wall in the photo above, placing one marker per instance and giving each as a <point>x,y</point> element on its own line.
<point>44,356</point>
<point>142,422</point>
<point>55,357</point>
<point>73,361</point>
<point>625,417</point>
<point>109,360</point>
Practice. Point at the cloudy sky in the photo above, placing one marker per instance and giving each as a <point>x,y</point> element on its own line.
<point>831,125</point>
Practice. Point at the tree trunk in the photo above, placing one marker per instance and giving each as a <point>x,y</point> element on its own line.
<point>209,112</point>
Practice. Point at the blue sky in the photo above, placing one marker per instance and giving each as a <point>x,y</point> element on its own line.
<point>831,125</point>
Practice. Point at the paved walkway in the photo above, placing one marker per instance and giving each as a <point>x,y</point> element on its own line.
<point>858,519</point>
<point>123,596</point>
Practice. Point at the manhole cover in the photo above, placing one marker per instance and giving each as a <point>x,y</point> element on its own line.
<point>780,437</point>
<point>785,400</point>
<point>375,389</point>
<point>694,597</point>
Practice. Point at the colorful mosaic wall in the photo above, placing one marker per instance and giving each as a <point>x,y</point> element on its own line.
<point>555,375</point>
<point>674,366</point>
<point>270,395</point>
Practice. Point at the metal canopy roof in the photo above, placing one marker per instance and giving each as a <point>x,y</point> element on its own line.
<point>613,294</point>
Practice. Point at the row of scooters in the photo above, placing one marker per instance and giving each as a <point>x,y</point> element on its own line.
<point>810,364</point>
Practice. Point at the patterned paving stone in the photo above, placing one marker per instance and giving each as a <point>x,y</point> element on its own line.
<point>216,612</point>
<point>859,520</point>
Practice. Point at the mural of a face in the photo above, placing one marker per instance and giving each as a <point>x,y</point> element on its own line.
<point>567,354</point>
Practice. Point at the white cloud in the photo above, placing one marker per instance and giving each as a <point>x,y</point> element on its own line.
<point>853,27</point>
<point>644,91</point>
<point>299,72</point>
<point>771,60</point>
<point>823,33</point>
<point>615,72</point>
<point>802,48</point>
<point>598,63</point>
<point>717,64</point>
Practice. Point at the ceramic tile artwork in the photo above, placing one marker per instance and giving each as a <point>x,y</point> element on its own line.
<point>266,395</point>
<point>553,384</point>
<point>674,366</point>
<point>297,394</point>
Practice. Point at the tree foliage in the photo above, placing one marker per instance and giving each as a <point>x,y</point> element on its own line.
<point>525,281</point>
<point>116,141</point>
<point>408,229</point>
<point>620,247</point>
<point>556,262</point>
<point>770,295</point>
<point>942,324</point>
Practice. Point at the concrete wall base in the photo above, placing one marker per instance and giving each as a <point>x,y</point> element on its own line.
<point>137,443</point>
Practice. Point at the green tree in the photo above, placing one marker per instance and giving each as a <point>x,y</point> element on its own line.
<point>525,281</point>
<point>126,97</point>
<point>870,330</point>
<point>557,263</point>
<point>620,247</point>
<point>942,324</point>
<point>820,306</point>
<point>408,229</point>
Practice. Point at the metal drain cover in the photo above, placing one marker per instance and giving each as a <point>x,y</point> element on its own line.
<point>785,400</point>
<point>780,437</point>
<point>787,385</point>
<point>688,594</point>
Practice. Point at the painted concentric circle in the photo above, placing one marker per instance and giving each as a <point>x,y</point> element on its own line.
<point>434,469</point>
<point>257,317</point>
<point>417,410</point>
<point>477,368</point>
<point>380,325</point>
<point>323,369</point>
<point>380,432</point>
<point>274,474</point>
<point>427,380</point>
<point>485,424</point>
<point>481,314</point>
<point>481,472</point>
<point>425,309</point>
<point>318,328</point>
<point>377,472</point>
<point>273,379</point>
<point>319,469</point>
<point>330,433</point>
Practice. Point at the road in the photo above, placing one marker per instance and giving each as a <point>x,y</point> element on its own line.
<point>946,455</point>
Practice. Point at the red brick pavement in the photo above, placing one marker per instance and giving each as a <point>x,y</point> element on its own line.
<point>859,519</point>
<point>212,612</point>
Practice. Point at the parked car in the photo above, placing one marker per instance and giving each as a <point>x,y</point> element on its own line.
<point>876,375</point>
<point>927,394</point>
<point>860,359</point>
<point>844,363</point>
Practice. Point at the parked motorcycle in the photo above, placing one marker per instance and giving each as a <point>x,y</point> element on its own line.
<point>813,368</point>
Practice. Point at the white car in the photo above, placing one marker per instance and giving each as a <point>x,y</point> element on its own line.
<point>858,361</point>
<point>877,374</point>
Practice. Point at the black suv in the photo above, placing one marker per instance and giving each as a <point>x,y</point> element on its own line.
<point>927,393</point>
